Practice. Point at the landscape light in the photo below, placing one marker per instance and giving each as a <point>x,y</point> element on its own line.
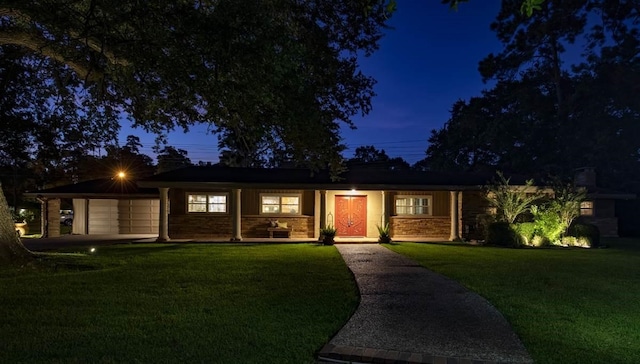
<point>92,250</point>
<point>121,175</point>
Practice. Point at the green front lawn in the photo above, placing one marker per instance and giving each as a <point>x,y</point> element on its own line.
<point>568,305</point>
<point>177,303</point>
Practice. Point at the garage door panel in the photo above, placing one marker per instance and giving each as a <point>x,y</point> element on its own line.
<point>103,217</point>
<point>124,216</point>
<point>139,216</point>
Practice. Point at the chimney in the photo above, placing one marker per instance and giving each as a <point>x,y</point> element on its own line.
<point>585,177</point>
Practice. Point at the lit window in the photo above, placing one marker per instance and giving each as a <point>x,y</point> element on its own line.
<point>215,203</point>
<point>413,205</point>
<point>586,208</point>
<point>280,204</point>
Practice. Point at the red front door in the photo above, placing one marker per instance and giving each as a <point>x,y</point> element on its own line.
<point>351,215</point>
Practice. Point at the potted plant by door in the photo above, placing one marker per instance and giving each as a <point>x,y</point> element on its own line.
<point>384,234</point>
<point>327,234</point>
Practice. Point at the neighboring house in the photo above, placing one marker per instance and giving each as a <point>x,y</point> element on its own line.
<point>231,204</point>
<point>599,207</point>
<point>101,206</point>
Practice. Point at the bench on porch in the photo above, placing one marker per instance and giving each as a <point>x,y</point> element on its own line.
<point>272,230</point>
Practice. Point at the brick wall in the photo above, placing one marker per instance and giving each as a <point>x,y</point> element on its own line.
<point>427,227</point>
<point>53,218</point>
<point>198,226</point>
<point>256,226</point>
<point>206,226</point>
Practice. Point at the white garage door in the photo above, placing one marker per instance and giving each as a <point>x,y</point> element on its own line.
<point>138,216</point>
<point>103,217</point>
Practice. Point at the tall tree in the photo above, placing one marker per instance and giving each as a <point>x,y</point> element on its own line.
<point>127,159</point>
<point>284,66</point>
<point>11,249</point>
<point>170,158</point>
<point>536,44</point>
<point>371,157</point>
<point>551,111</point>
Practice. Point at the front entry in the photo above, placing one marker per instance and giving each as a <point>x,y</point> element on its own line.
<point>351,216</point>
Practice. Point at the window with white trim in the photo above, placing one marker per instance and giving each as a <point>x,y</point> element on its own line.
<point>207,202</point>
<point>586,208</point>
<point>279,204</point>
<point>413,205</point>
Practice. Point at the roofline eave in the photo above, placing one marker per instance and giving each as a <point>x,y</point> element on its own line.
<point>311,186</point>
<point>91,195</point>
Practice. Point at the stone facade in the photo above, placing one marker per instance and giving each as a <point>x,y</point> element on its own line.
<point>220,227</point>
<point>256,226</point>
<point>436,227</point>
<point>204,226</point>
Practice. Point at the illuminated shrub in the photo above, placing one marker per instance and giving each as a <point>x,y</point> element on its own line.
<point>588,232</point>
<point>539,241</point>
<point>580,242</point>
<point>526,231</point>
<point>548,224</point>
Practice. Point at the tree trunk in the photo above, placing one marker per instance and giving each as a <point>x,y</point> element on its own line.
<point>11,249</point>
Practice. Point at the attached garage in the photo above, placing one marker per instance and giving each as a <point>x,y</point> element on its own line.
<point>104,206</point>
<point>112,216</point>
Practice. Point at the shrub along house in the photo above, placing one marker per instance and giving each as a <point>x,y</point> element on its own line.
<point>219,203</point>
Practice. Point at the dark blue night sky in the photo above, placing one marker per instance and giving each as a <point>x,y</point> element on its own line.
<point>426,62</point>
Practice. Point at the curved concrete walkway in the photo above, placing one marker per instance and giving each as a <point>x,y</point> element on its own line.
<point>408,314</point>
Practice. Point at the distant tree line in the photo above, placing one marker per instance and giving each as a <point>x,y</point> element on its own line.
<point>564,94</point>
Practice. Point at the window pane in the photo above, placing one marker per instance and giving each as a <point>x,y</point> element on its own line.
<point>287,200</point>
<point>280,204</point>
<point>412,205</point>
<point>290,209</point>
<point>586,208</point>
<point>270,209</point>
<point>218,199</point>
<point>198,198</point>
<point>196,207</point>
<point>217,207</point>
<point>270,200</point>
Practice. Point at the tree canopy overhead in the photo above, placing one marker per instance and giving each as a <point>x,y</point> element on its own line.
<point>286,69</point>
<point>276,74</point>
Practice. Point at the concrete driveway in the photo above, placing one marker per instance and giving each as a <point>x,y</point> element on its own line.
<point>408,314</point>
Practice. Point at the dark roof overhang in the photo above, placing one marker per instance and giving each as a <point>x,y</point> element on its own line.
<point>104,188</point>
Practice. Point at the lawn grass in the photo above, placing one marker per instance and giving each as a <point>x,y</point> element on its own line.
<point>567,305</point>
<point>177,303</point>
